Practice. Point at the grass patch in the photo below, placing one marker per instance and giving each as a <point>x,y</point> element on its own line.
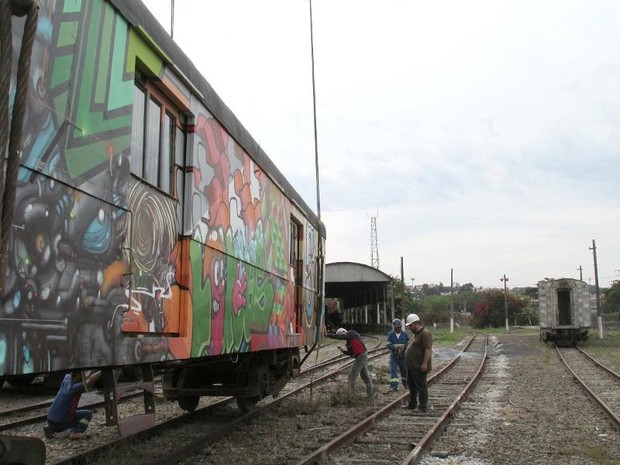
<point>597,454</point>
<point>341,397</point>
<point>305,406</point>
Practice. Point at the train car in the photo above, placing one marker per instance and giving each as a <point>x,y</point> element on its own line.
<point>564,310</point>
<point>146,229</point>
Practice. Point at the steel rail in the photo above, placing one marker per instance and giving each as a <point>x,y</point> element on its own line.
<point>437,428</point>
<point>615,419</point>
<point>200,441</point>
<point>599,364</point>
<point>355,431</point>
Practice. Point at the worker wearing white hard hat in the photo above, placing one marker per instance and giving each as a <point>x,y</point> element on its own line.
<point>418,361</point>
<point>356,349</point>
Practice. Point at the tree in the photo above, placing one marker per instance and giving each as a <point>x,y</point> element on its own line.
<point>528,314</point>
<point>611,299</point>
<point>435,309</point>
<point>531,292</point>
<point>404,299</point>
<point>490,311</point>
<point>465,298</point>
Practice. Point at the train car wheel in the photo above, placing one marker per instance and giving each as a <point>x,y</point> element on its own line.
<point>188,403</point>
<point>247,404</point>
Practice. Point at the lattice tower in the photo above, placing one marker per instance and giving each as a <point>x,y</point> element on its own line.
<point>374,246</point>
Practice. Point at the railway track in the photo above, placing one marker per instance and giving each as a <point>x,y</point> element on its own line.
<point>36,412</point>
<point>206,426</point>
<point>600,383</point>
<point>376,440</point>
<point>196,430</point>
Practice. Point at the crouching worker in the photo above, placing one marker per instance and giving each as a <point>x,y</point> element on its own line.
<point>64,414</point>
<point>356,349</point>
<point>397,341</point>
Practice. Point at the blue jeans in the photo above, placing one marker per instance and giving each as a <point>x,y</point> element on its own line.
<point>360,368</point>
<point>78,425</point>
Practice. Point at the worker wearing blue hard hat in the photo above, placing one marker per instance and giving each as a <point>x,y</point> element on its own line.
<point>397,341</point>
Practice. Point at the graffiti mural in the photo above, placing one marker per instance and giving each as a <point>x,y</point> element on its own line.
<point>104,268</point>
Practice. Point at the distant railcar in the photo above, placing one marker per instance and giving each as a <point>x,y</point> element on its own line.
<point>564,310</point>
<point>149,231</point>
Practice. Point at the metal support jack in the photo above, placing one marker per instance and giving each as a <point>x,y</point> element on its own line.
<point>113,392</point>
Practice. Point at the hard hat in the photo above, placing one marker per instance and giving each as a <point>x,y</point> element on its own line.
<point>341,332</point>
<point>412,318</point>
<point>397,323</point>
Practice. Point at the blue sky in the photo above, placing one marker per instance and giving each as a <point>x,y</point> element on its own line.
<point>483,135</point>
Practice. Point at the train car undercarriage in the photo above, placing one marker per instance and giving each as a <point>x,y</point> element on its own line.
<point>564,337</point>
<point>253,376</point>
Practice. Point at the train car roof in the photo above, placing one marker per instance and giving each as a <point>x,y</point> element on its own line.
<point>140,17</point>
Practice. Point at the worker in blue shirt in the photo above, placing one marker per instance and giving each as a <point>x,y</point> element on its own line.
<point>397,341</point>
<point>64,414</point>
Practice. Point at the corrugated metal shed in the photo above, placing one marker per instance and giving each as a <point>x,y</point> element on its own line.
<point>356,284</point>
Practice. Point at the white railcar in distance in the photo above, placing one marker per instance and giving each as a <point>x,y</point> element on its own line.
<point>564,310</point>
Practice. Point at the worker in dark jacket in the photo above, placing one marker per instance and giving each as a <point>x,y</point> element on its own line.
<point>356,349</point>
<point>64,414</point>
<point>397,341</point>
<point>419,362</point>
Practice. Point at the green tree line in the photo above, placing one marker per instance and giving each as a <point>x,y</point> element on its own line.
<point>481,308</point>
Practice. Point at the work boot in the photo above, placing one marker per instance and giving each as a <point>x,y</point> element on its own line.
<point>49,434</point>
<point>73,436</point>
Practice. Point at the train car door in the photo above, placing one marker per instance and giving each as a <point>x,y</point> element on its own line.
<point>159,140</point>
<point>297,263</point>
<point>564,307</point>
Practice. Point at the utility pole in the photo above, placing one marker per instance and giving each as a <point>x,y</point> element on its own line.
<point>402,292</point>
<point>451,300</point>
<point>172,19</point>
<point>580,273</point>
<point>505,280</point>
<point>599,318</point>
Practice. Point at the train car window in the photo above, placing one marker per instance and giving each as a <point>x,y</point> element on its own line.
<point>137,132</point>
<point>152,142</point>
<point>167,149</point>
<point>179,157</point>
<point>294,248</point>
<point>158,137</point>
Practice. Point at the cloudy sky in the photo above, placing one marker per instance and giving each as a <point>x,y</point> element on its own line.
<point>484,136</point>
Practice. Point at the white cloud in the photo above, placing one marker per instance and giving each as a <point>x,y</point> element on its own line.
<point>485,133</point>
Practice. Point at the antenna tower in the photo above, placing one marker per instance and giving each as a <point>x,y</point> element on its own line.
<point>374,247</point>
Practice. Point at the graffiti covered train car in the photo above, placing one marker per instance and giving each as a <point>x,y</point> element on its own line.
<point>564,310</point>
<point>146,226</point>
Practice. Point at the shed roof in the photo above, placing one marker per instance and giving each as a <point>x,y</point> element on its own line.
<point>355,283</point>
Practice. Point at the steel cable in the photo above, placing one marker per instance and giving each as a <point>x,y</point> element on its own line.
<point>17,121</point>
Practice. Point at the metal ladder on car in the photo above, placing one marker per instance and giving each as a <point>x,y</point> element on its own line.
<point>114,391</point>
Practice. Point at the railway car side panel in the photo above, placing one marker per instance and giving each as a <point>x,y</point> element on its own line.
<point>242,225</point>
<point>143,231</point>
